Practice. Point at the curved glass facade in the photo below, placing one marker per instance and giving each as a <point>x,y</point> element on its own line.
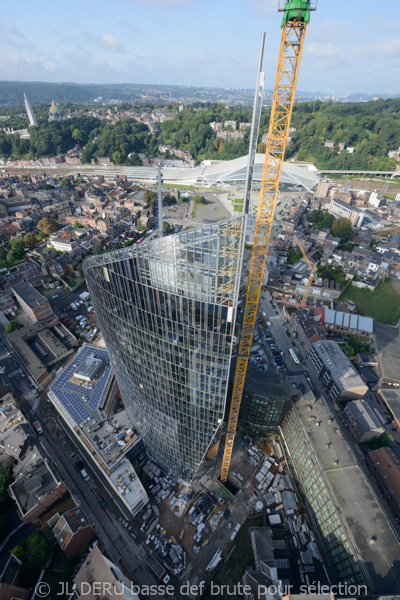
<point>167,311</point>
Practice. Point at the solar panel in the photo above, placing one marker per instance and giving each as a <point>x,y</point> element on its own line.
<point>70,394</point>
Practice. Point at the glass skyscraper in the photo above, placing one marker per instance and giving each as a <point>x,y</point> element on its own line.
<point>167,310</point>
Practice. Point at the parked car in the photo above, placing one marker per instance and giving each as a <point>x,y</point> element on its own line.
<point>54,297</point>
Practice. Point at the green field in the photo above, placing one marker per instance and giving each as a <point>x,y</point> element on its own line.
<point>383,304</point>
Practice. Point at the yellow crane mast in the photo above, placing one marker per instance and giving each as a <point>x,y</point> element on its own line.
<point>295,19</point>
<point>312,276</point>
<point>308,286</point>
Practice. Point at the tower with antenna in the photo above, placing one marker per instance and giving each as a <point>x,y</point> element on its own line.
<point>28,107</point>
<point>29,112</point>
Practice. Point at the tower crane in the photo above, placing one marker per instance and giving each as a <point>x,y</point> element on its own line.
<point>312,276</point>
<point>296,16</point>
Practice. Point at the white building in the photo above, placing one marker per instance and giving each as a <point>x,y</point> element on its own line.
<point>374,199</point>
<point>85,394</point>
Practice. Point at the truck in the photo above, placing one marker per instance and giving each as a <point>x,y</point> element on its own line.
<point>157,569</point>
<point>85,296</point>
<point>38,427</point>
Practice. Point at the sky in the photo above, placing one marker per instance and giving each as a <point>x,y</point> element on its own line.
<point>351,45</point>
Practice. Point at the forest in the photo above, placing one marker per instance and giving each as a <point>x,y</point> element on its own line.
<point>94,136</point>
<point>371,128</point>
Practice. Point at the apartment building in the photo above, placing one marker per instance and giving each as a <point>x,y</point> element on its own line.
<point>334,369</point>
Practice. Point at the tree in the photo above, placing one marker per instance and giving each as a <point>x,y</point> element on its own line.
<point>65,182</point>
<point>315,216</point>
<point>12,326</point>
<point>47,226</point>
<point>349,350</point>
<point>168,199</point>
<point>6,479</point>
<point>293,256</point>
<point>151,198</point>
<point>30,240</point>
<point>166,228</point>
<point>199,200</point>
<point>16,249</point>
<point>77,135</point>
<point>77,225</point>
<point>338,223</point>
<point>97,249</point>
<point>38,549</point>
<point>19,552</point>
<point>327,221</point>
<point>345,232</point>
<point>385,440</point>
<point>117,157</point>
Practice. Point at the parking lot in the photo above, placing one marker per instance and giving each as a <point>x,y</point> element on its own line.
<point>79,320</point>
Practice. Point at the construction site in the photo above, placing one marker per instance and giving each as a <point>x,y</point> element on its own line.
<point>194,532</point>
<point>236,502</point>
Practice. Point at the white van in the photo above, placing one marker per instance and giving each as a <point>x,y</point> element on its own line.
<point>85,475</point>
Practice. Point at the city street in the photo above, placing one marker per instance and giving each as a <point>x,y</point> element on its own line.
<point>117,540</point>
<point>284,343</point>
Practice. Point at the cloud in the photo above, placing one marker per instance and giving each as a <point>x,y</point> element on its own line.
<point>9,30</point>
<point>265,7</point>
<point>324,50</point>
<point>10,35</point>
<point>390,48</point>
<point>166,3</point>
<point>130,26</point>
<point>107,42</point>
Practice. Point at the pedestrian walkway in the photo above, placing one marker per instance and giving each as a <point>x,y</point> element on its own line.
<point>14,373</point>
<point>35,406</point>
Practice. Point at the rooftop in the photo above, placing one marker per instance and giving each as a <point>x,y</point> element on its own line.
<point>367,417</point>
<point>354,498</point>
<point>34,485</point>
<point>67,525</point>
<point>89,368</point>
<point>128,484</point>
<point>339,366</point>
<point>97,568</point>
<point>392,399</point>
<point>388,347</point>
<point>29,294</point>
<point>81,404</point>
<point>40,346</point>
<point>339,318</point>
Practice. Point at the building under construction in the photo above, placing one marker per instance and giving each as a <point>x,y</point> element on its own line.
<point>168,309</point>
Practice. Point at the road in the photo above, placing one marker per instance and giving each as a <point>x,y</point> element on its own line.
<point>283,343</point>
<point>118,542</point>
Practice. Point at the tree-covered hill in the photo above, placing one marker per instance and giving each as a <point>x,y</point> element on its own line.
<point>371,128</point>
<point>95,137</point>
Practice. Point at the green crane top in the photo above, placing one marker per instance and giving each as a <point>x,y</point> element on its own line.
<point>297,10</point>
